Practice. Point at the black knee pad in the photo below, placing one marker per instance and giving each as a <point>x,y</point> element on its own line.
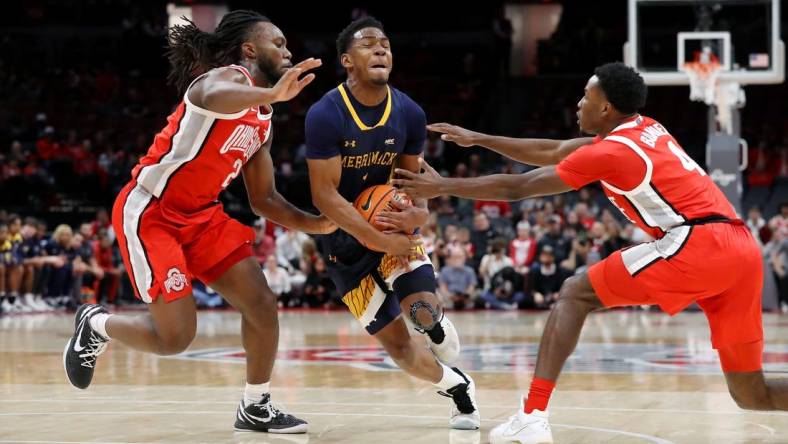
<point>434,331</point>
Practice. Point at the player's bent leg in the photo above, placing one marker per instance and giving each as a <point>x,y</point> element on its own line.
<point>416,292</point>
<point>243,285</point>
<point>576,300</point>
<point>408,353</point>
<point>424,311</point>
<point>746,383</point>
<point>167,329</point>
<point>416,360</point>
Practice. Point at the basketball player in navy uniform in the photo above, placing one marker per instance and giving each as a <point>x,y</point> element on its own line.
<point>355,135</point>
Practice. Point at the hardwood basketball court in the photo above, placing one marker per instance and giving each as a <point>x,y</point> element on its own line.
<point>636,377</point>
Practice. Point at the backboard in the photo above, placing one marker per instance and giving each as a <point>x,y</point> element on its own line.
<point>744,35</point>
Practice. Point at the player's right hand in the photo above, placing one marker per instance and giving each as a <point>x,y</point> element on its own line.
<point>402,245</point>
<point>454,133</point>
<point>289,85</point>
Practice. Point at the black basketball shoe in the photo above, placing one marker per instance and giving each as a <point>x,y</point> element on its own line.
<point>265,417</point>
<point>79,356</point>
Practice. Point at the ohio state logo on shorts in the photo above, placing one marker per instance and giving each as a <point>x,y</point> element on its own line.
<point>176,280</point>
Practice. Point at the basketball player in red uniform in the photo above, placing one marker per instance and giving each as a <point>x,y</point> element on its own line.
<point>171,227</point>
<point>702,253</point>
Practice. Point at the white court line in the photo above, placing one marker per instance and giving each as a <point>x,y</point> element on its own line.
<point>399,404</point>
<point>647,438</point>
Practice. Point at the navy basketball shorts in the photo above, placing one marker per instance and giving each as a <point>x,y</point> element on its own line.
<point>375,301</point>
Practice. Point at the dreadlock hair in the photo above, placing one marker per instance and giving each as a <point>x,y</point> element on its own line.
<point>346,35</point>
<point>192,52</point>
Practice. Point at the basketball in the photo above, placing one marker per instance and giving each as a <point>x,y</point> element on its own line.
<point>376,199</point>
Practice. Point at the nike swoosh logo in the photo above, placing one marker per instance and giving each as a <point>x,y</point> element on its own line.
<point>77,346</point>
<point>365,207</point>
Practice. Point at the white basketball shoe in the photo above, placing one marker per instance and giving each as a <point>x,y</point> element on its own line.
<point>464,414</point>
<point>523,428</point>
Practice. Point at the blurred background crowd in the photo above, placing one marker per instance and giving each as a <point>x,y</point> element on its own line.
<point>80,104</point>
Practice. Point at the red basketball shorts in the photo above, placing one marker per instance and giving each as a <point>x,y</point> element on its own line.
<point>717,265</point>
<point>162,256</point>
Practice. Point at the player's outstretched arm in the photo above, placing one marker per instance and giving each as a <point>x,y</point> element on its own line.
<point>539,152</point>
<point>227,91</point>
<point>428,184</point>
<point>324,177</point>
<point>267,202</point>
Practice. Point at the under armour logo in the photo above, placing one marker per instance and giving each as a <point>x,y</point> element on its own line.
<point>332,258</point>
<point>389,141</point>
<point>350,144</point>
<point>364,177</point>
<point>175,281</point>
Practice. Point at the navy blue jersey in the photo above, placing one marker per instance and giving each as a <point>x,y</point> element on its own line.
<point>30,248</point>
<point>369,139</point>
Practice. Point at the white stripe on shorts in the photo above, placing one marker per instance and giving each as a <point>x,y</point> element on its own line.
<point>135,205</point>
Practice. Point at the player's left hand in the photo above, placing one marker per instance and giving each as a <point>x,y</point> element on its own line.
<point>402,217</point>
<point>424,185</point>
<point>289,85</point>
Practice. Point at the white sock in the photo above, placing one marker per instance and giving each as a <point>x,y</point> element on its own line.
<point>449,379</point>
<point>253,393</point>
<point>99,323</point>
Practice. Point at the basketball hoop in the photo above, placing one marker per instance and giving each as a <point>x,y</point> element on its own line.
<point>725,96</point>
<point>703,77</point>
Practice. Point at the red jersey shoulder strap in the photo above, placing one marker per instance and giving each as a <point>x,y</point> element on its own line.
<point>244,71</point>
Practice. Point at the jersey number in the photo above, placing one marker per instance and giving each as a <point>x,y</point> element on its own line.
<point>686,161</point>
<point>237,165</point>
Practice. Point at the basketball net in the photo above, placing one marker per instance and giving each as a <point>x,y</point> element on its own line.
<point>702,74</point>
<point>704,87</point>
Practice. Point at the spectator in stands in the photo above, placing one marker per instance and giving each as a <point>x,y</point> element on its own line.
<point>554,238</point>
<point>31,266</point>
<point>279,282</point>
<point>6,262</point>
<point>457,281</point>
<point>60,255</point>
<point>584,215</point>
<point>776,254</point>
<point>780,220</point>
<point>12,261</point>
<point>480,237</point>
<point>522,249</point>
<point>493,209</point>
<point>319,289</point>
<point>597,236</point>
<point>545,278</point>
<point>577,261</point>
<point>494,261</point>
<point>87,271</point>
<point>756,222</point>
<point>108,259</point>
<point>264,245</point>
<point>289,246</point>
<point>613,239</point>
<point>506,290</point>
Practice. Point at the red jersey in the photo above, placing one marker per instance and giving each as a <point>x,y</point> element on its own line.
<point>198,154</point>
<point>647,175</point>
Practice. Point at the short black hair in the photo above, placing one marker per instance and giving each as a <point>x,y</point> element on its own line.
<point>623,86</point>
<point>346,35</point>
